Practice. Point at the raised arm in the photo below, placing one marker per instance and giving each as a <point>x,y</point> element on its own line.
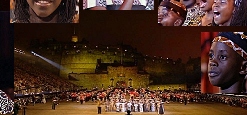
<point>127,5</point>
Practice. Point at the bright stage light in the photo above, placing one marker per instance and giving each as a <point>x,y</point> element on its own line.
<point>49,61</point>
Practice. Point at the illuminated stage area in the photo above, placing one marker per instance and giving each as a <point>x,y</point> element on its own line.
<point>90,108</point>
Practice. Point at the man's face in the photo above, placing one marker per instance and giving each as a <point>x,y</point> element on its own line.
<point>223,11</point>
<point>224,65</point>
<point>166,17</point>
<point>206,5</point>
<point>43,8</point>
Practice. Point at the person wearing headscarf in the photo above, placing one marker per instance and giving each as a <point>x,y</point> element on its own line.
<point>171,13</point>
<point>226,56</point>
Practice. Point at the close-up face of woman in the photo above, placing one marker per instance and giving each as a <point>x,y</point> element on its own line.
<point>224,65</point>
<point>206,5</point>
<point>223,11</point>
<point>44,8</point>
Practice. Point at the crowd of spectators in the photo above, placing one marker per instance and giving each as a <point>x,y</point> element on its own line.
<point>28,78</point>
<point>231,100</point>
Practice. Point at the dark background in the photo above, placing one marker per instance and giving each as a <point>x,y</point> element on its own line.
<point>4,5</point>
<point>6,54</point>
<point>136,28</point>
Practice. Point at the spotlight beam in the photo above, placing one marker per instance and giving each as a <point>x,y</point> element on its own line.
<point>49,61</point>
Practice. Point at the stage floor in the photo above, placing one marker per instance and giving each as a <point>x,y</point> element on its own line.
<point>174,108</point>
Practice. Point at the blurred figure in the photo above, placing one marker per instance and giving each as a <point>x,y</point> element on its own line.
<point>194,14</point>
<point>118,4</point>
<point>43,99</point>
<point>12,5</point>
<point>244,73</point>
<point>99,106</point>
<point>16,107</point>
<point>6,104</point>
<point>171,13</point>
<point>76,17</point>
<point>206,6</point>
<point>128,112</point>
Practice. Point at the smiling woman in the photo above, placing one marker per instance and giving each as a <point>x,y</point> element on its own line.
<point>226,56</point>
<point>45,11</point>
<point>43,8</point>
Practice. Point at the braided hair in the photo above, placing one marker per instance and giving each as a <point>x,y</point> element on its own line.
<point>239,17</point>
<point>66,11</point>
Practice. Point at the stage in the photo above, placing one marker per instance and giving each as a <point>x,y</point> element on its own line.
<point>174,108</point>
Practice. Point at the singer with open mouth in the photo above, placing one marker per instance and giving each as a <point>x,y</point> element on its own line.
<point>230,12</point>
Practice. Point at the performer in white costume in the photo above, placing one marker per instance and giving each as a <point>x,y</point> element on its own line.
<point>117,106</point>
<point>123,109</point>
<point>152,106</point>
<point>141,106</point>
<point>161,110</point>
<point>129,105</point>
<point>136,106</point>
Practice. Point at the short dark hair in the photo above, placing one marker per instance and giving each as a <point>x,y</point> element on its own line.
<point>66,11</point>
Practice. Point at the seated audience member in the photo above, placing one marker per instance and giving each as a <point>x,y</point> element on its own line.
<point>171,13</point>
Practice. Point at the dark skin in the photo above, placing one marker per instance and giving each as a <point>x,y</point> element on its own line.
<point>224,67</point>
<point>244,74</point>
<point>49,19</point>
<point>127,5</point>
<point>9,92</point>
<point>43,13</point>
<point>167,17</point>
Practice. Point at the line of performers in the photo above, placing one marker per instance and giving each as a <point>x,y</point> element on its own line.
<point>134,105</point>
